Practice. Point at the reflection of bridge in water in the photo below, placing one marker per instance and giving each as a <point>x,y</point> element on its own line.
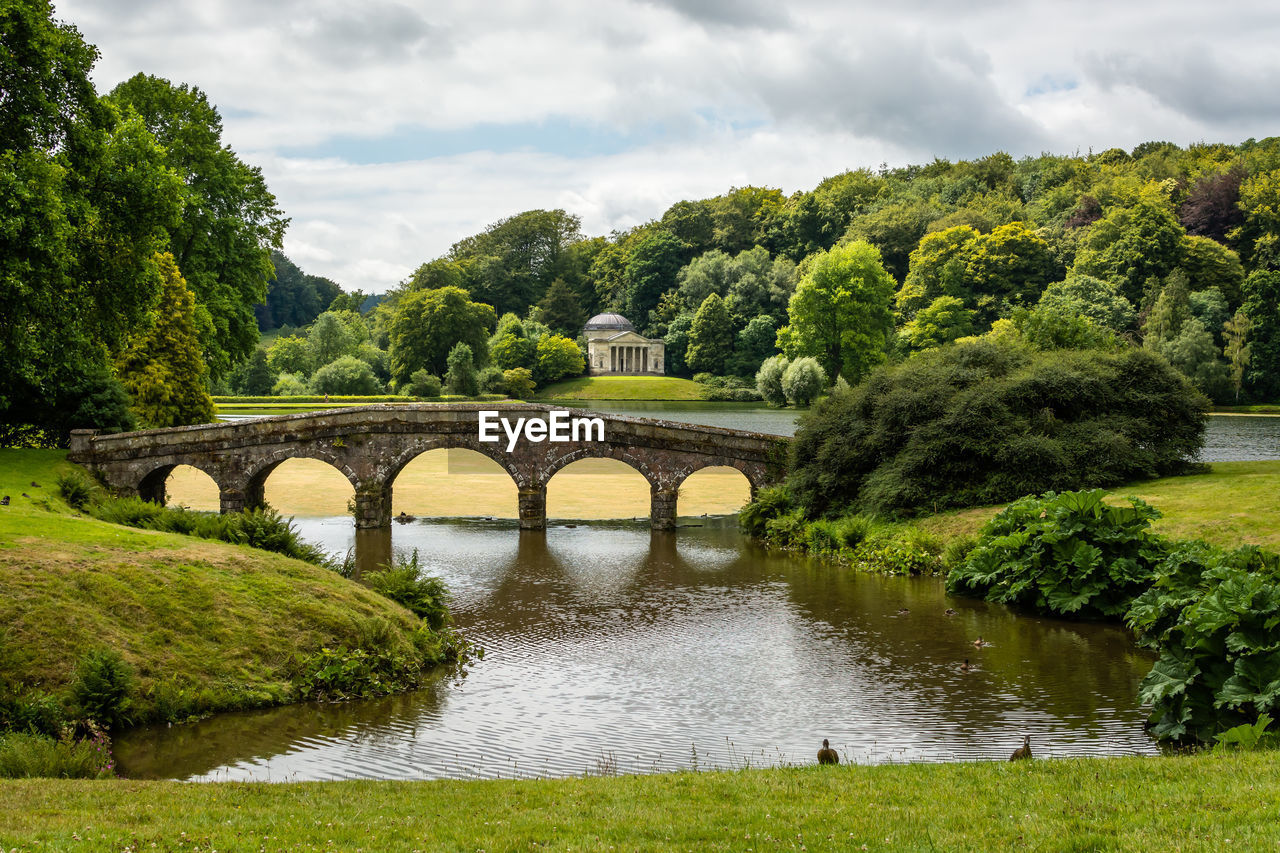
<point>370,445</point>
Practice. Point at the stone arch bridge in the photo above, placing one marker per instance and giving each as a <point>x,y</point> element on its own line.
<point>371,444</point>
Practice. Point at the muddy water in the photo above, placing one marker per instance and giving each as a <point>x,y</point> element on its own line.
<point>613,649</point>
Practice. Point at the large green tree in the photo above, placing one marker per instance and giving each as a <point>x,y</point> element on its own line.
<point>84,201</point>
<point>162,368</point>
<point>230,221</point>
<point>428,323</point>
<point>840,312</point>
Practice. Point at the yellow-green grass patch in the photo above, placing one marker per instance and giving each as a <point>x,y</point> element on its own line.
<point>622,388</point>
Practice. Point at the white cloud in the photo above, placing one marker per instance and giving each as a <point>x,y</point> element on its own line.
<point>696,96</point>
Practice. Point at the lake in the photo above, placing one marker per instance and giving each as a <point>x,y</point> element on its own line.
<point>609,648</point>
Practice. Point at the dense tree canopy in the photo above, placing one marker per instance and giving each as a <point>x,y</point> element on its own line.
<point>840,312</point>
<point>229,223</point>
<point>87,199</point>
<point>429,323</point>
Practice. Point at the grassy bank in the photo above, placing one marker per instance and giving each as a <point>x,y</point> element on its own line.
<point>1205,802</point>
<point>205,625</point>
<point>621,388</point>
<point>1259,409</point>
<point>1232,504</point>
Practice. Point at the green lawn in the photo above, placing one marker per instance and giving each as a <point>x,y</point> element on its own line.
<point>622,388</point>
<point>1203,802</point>
<point>1234,503</point>
<point>218,622</point>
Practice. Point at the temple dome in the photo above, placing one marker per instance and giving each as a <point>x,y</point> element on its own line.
<point>608,322</point>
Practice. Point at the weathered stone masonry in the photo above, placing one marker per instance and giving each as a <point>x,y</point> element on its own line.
<point>371,444</point>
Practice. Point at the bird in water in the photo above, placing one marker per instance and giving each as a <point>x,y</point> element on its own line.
<point>979,643</point>
<point>902,611</point>
<point>405,518</point>
<point>1023,751</point>
<point>4,501</point>
<point>827,755</point>
<point>949,611</point>
<point>966,666</point>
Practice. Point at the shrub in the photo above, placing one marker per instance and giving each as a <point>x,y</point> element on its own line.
<point>802,381</point>
<point>423,384</point>
<point>101,687</point>
<point>769,503</point>
<point>492,381</point>
<point>76,487</point>
<point>1063,554</point>
<point>769,380</point>
<point>1212,616</point>
<point>989,421</point>
<point>31,756</point>
<point>519,382</point>
<point>261,527</point>
<point>347,375</point>
<point>404,583</point>
<point>556,358</point>
<point>290,385</point>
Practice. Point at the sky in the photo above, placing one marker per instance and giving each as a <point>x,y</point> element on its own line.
<point>388,131</point>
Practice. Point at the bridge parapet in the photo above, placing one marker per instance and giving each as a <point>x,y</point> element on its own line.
<point>371,444</point>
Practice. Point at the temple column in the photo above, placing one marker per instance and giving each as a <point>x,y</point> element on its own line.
<point>533,508</point>
<point>662,508</point>
<point>644,359</point>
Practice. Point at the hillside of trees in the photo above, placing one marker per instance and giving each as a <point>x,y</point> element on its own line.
<point>1170,248</point>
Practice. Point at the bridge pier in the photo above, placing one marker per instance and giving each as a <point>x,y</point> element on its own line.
<point>533,508</point>
<point>232,500</point>
<point>373,507</point>
<point>237,500</point>
<point>662,508</point>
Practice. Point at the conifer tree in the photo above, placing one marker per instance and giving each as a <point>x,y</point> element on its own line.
<point>560,309</point>
<point>710,337</point>
<point>162,367</point>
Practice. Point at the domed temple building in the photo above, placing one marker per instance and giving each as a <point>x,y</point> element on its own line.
<point>614,346</point>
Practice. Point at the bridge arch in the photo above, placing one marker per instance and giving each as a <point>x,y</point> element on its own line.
<point>254,476</point>
<point>192,487</point>
<point>453,481</point>
<point>596,486</point>
<point>699,493</point>
<point>419,445</point>
<point>153,486</point>
<point>621,453</point>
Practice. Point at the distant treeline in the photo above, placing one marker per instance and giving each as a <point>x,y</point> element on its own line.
<point>968,244</point>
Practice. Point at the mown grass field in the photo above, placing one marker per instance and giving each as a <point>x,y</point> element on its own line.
<point>1203,802</point>
<point>208,617</point>
<point>621,388</point>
